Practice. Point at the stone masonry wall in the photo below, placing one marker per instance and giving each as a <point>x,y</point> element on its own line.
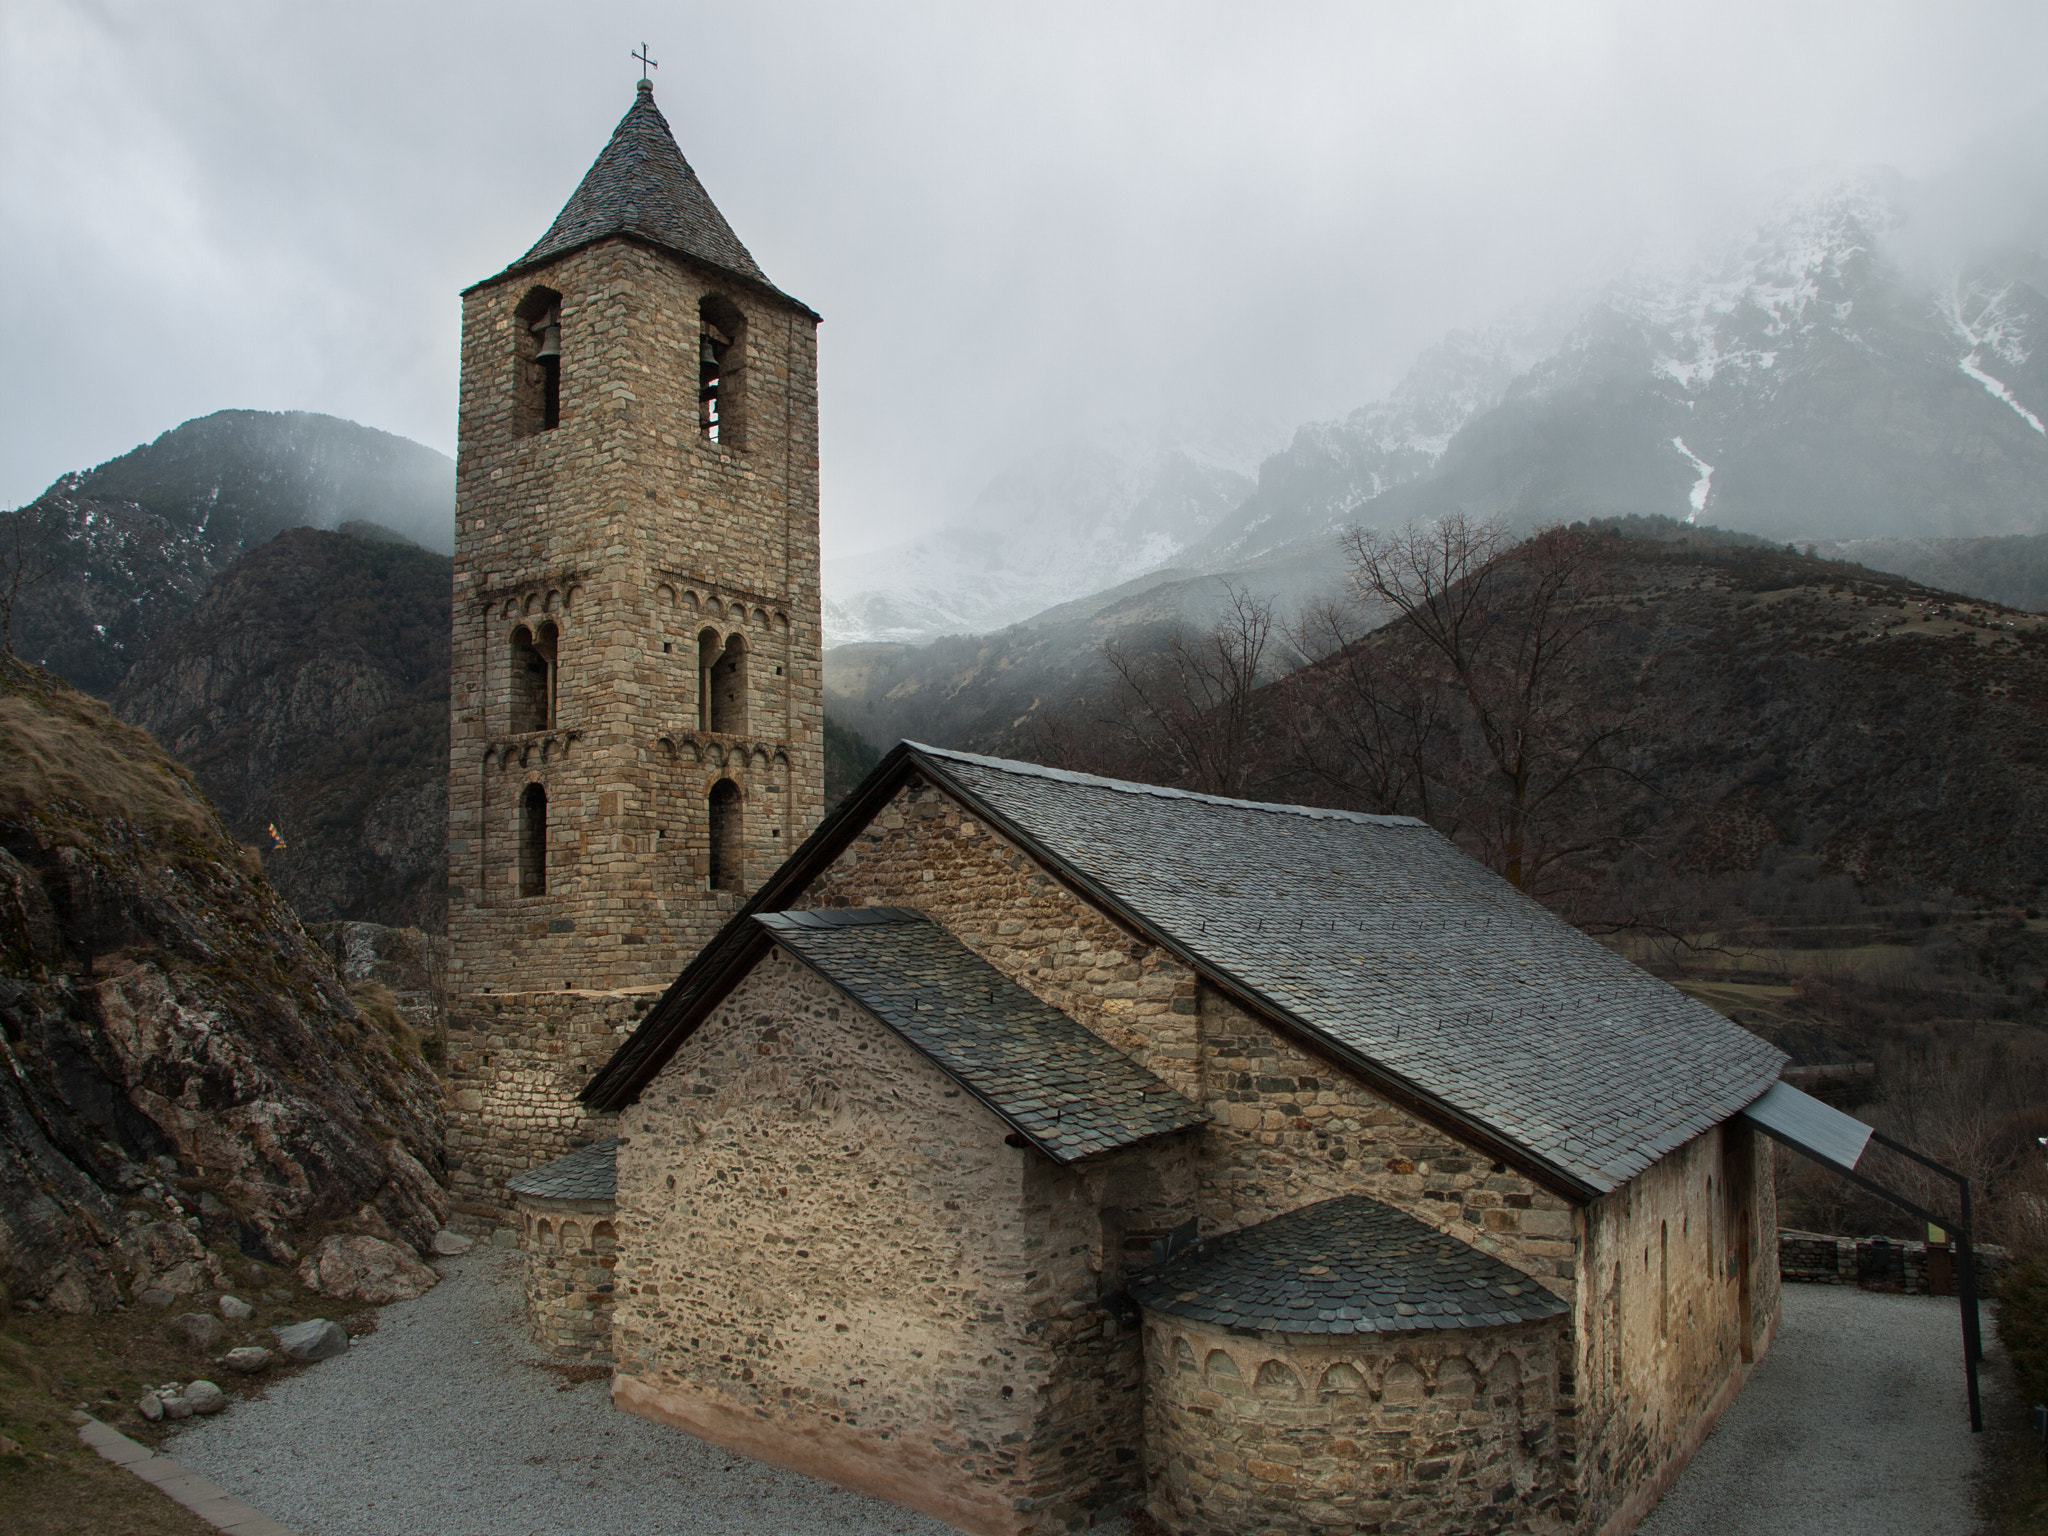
<point>635,537</point>
<point>831,1260</point>
<point>1448,1431</point>
<point>516,1061</point>
<point>1662,1330</point>
<point>1290,1128</point>
<point>1876,1263</point>
<point>571,1249</point>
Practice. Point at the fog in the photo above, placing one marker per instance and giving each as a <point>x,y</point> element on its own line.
<point>1017,221</point>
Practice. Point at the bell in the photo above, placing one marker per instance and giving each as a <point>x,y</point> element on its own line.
<point>550,341</point>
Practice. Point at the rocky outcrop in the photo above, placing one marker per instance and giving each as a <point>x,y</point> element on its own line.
<point>184,1068</point>
<point>360,1268</point>
<point>308,692</point>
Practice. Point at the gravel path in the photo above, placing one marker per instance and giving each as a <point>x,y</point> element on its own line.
<point>444,1420</point>
<point>1856,1421</point>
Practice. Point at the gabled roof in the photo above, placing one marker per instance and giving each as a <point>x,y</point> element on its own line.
<point>1371,939</point>
<point>1349,1265</point>
<point>588,1173</point>
<point>1068,1092</point>
<point>641,186</point>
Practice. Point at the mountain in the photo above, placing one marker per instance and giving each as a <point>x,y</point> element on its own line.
<point>1070,519</point>
<point>308,690</point>
<point>2012,570</point>
<point>133,544</point>
<point>188,1075</point>
<point>1803,382</point>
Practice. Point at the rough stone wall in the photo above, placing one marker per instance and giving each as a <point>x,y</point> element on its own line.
<point>1662,1332</point>
<point>830,1259</point>
<point>1448,1431</point>
<point>571,1249</point>
<point>632,534</point>
<point>1877,1263</point>
<point>516,1061</point>
<point>1289,1129</point>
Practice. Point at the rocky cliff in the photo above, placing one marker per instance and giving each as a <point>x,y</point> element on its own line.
<point>184,1068</point>
<point>308,691</point>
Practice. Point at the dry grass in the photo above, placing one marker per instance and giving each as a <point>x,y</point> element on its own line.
<point>58,746</point>
<point>51,1365</point>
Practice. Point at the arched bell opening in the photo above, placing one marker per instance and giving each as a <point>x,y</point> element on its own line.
<point>728,858</point>
<point>533,841</point>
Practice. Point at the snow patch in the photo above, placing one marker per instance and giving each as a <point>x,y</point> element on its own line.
<point>1700,487</point>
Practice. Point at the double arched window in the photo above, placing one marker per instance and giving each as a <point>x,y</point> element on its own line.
<point>534,657</point>
<point>721,683</point>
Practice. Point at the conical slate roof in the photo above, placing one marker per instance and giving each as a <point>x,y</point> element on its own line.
<point>641,185</point>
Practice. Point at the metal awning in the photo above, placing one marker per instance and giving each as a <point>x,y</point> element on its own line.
<point>1838,1141</point>
<point>1807,1125</point>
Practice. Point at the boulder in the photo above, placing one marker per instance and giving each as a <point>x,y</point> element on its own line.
<point>156,1296</point>
<point>358,1268</point>
<point>448,1244</point>
<point>201,1329</point>
<point>205,1397</point>
<point>247,1360</point>
<point>151,1407</point>
<point>236,1310</point>
<point>175,1406</point>
<point>315,1339</point>
<point>167,1256</point>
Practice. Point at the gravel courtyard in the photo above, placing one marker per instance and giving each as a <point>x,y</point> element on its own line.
<point>1855,1421</point>
<point>445,1420</point>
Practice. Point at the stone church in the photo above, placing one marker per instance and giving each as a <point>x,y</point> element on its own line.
<point>1020,1146</point>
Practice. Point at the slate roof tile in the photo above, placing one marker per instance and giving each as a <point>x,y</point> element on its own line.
<point>640,184</point>
<point>588,1173</point>
<point>1070,1092</point>
<point>1377,933</point>
<point>1344,1266</point>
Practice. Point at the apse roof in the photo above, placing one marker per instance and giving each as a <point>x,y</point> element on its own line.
<point>1350,1265</point>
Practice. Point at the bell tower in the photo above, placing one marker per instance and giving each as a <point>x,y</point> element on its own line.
<point>636,699</point>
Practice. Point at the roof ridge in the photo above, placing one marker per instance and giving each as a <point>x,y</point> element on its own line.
<point>1132,787</point>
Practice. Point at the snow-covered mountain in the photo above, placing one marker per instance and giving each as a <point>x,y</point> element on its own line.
<point>1071,519</point>
<point>1799,382</point>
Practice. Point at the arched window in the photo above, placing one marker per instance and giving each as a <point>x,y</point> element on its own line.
<point>533,678</point>
<point>727,857</point>
<point>533,841</point>
<point>721,370</point>
<point>537,391</point>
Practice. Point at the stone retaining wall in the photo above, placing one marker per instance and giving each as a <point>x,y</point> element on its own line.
<point>570,1251</point>
<point>1874,1263</point>
<point>1449,1430</point>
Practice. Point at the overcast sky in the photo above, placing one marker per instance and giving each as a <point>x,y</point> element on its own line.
<point>1015,219</point>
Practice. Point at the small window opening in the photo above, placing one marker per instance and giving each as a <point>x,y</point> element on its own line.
<point>720,374</point>
<point>533,678</point>
<point>533,841</point>
<point>726,856</point>
<point>539,388</point>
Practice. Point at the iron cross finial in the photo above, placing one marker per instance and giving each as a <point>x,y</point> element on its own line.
<point>645,62</point>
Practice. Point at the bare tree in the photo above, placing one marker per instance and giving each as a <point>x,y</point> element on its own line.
<point>28,557</point>
<point>1189,708</point>
<point>1365,724</point>
<point>1508,627</point>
